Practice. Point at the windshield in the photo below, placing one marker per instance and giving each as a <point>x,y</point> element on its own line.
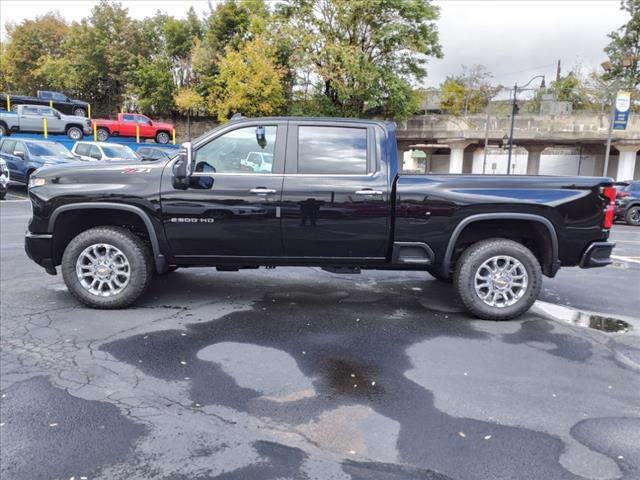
<point>49,149</point>
<point>119,152</point>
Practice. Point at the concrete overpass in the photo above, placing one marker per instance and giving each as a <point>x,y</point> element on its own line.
<point>456,144</point>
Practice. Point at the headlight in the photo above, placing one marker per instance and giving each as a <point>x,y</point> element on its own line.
<point>36,182</point>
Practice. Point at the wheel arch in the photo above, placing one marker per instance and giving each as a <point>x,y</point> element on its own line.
<point>547,255</point>
<point>104,211</point>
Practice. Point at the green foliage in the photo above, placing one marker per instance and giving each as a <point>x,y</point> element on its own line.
<point>467,93</point>
<point>624,48</point>
<point>453,94</point>
<point>315,57</point>
<point>362,55</point>
<point>248,82</point>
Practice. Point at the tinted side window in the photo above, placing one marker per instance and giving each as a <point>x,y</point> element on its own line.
<point>48,112</point>
<point>8,146</point>
<point>129,118</point>
<point>95,152</point>
<point>59,97</point>
<point>30,110</point>
<point>229,152</point>
<point>45,95</point>
<point>332,150</point>
<point>83,149</point>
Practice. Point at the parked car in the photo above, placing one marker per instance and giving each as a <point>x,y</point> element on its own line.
<point>29,119</point>
<point>125,126</point>
<point>258,161</point>
<point>628,202</point>
<point>4,178</point>
<point>59,100</point>
<point>111,227</point>
<point>23,156</point>
<point>103,151</point>
<point>156,153</point>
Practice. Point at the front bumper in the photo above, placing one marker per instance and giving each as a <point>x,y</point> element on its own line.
<point>39,247</point>
<point>87,130</point>
<point>597,254</point>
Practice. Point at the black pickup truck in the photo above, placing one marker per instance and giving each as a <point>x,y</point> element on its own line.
<point>312,192</point>
<point>57,100</point>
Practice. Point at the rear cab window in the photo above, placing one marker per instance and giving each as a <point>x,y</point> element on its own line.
<point>333,150</point>
<point>128,118</point>
<point>8,146</point>
<point>83,149</point>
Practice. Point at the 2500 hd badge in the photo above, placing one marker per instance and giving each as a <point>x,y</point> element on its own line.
<point>191,220</point>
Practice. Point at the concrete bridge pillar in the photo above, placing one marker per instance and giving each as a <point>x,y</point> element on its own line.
<point>627,160</point>
<point>478,160</point>
<point>456,160</point>
<point>533,159</point>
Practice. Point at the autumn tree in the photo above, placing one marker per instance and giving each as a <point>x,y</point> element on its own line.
<point>188,101</point>
<point>248,82</point>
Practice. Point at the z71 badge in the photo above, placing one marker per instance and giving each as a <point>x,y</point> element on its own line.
<point>191,220</point>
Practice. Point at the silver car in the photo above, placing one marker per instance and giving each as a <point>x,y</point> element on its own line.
<point>103,151</point>
<point>32,118</point>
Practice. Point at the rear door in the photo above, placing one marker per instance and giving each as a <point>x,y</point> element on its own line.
<point>31,119</point>
<point>128,125</point>
<point>14,164</point>
<point>230,211</point>
<point>335,201</point>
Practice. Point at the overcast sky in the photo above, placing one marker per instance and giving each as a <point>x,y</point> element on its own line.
<point>515,40</point>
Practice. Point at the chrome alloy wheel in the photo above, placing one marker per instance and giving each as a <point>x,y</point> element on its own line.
<point>501,281</point>
<point>103,270</point>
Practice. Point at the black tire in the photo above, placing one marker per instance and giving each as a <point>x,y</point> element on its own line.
<point>102,134</point>
<point>3,193</point>
<point>632,215</point>
<point>75,133</point>
<point>79,112</point>
<point>136,253</point>
<point>471,262</point>
<point>3,130</point>
<point>162,137</point>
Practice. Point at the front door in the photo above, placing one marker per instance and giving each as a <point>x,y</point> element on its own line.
<point>230,208</point>
<point>335,202</point>
<point>128,125</point>
<point>31,119</point>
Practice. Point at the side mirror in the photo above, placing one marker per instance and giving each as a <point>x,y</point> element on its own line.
<point>57,114</point>
<point>181,167</point>
<point>150,122</point>
<point>261,137</point>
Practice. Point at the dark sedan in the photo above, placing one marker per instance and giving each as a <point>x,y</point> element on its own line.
<point>156,153</point>
<point>628,202</point>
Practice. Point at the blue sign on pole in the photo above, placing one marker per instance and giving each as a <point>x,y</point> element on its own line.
<point>621,114</point>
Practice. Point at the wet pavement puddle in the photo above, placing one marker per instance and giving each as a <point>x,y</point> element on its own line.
<point>579,318</point>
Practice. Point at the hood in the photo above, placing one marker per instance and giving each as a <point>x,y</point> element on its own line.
<point>57,160</point>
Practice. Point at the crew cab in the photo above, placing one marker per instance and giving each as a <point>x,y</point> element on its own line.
<point>25,156</point>
<point>31,119</point>
<point>128,124</point>
<point>333,198</point>
<point>56,100</point>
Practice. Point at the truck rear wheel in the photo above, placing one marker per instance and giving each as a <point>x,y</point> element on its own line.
<point>3,130</point>
<point>498,279</point>
<point>75,133</point>
<point>107,267</point>
<point>103,134</point>
<point>79,112</point>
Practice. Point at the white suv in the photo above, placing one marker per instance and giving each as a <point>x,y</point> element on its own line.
<point>103,151</point>
<point>4,178</point>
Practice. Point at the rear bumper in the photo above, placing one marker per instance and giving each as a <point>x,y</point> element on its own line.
<point>38,248</point>
<point>597,254</point>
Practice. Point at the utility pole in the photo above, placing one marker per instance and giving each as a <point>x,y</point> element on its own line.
<point>558,72</point>
<point>612,117</point>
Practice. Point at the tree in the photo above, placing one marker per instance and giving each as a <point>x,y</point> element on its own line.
<point>152,88</point>
<point>361,55</point>
<point>624,48</point>
<point>187,101</point>
<point>469,92</point>
<point>248,82</point>
<point>452,96</point>
<point>28,45</point>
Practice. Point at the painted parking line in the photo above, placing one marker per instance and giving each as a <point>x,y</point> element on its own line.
<point>626,259</point>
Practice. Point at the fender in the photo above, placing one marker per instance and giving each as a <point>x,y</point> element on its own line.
<point>159,259</point>
<point>501,216</point>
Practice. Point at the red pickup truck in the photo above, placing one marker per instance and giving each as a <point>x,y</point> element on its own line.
<point>125,126</point>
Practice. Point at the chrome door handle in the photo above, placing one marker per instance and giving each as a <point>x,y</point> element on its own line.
<point>262,191</point>
<point>368,191</point>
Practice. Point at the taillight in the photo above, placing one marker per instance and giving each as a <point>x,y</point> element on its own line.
<point>610,194</point>
<point>622,194</point>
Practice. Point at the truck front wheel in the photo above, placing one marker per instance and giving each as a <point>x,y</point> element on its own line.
<point>74,133</point>
<point>107,267</point>
<point>498,279</point>
<point>162,137</point>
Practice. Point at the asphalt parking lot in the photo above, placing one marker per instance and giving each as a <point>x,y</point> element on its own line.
<point>299,373</point>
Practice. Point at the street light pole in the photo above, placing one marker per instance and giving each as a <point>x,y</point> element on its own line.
<point>514,109</point>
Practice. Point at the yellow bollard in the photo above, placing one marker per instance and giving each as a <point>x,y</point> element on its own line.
<point>44,124</point>
<point>173,136</point>
<point>137,133</point>
<point>8,103</point>
<point>122,109</point>
<point>51,103</point>
<point>95,132</point>
<point>89,110</point>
